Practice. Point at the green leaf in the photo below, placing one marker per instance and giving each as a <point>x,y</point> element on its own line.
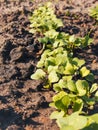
<point>72,38</point>
<point>59,96</point>
<point>59,105</point>
<point>96,94</point>
<point>90,77</point>
<point>41,63</point>
<point>71,86</point>
<point>39,74</point>
<point>57,115</point>
<point>89,101</point>
<point>47,86</point>
<point>45,54</point>
<point>87,41</point>
<point>92,122</point>
<point>60,59</point>
<point>93,126</point>
<point>67,127</point>
<point>50,61</point>
<point>51,33</point>
<point>52,68</point>
<point>59,86</point>
<point>69,69</point>
<point>82,87</point>
<point>78,62</point>
<point>94,117</point>
<point>94,12</point>
<point>74,121</point>
<point>94,87</point>
<point>52,104</point>
<point>43,40</point>
<point>60,69</point>
<point>84,71</point>
<point>66,100</point>
<point>55,44</point>
<point>78,105</point>
<point>67,78</point>
<point>72,96</point>
<point>53,77</point>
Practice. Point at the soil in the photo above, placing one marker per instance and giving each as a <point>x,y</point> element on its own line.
<point>23,102</point>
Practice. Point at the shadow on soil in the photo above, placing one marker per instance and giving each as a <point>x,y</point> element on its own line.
<point>9,117</point>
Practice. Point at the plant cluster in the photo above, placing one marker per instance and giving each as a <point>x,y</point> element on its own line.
<point>94,12</point>
<point>44,19</point>
<point>67,75</point>
<point>55,39</point>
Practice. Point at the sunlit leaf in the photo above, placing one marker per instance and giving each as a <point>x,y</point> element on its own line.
<point>82,87</point>
<point>94,117</point>
<point>52,68</point>
<point>69,69</point>
<point>60,85</point>
<point>56,115</point>
<point>71,86</point>
<point>67,78</point>
<point>59,96</point>
<point>96,94</point>
<point>66,100</point>
<point>39,74</point>
<point>46,86</point>
<point>66,127</point>
<point>60,59</point>
<point>74,121</point>
<point>94,87</point>
<point>51,33</point>
<point>72,38</point>
<point>84,71</point>
<point>78,62</point>
<point>53,77</point>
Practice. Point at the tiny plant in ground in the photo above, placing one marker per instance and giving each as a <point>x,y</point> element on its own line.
<point>94,12</point>
<point>73,83</point>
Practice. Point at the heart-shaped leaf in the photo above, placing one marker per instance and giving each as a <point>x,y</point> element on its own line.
<point>39,74</point>
<point>78,62</point>
<point>53,77</point>
<point>82,87</point>
<point>84,71</point>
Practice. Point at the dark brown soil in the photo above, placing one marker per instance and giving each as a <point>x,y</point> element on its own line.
<point>23,102</point>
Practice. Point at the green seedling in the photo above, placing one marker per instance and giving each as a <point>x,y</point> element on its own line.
<point>44,19</point>
<point>94,12</point>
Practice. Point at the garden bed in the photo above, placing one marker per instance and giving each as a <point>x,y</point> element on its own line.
<point>23,102</point>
